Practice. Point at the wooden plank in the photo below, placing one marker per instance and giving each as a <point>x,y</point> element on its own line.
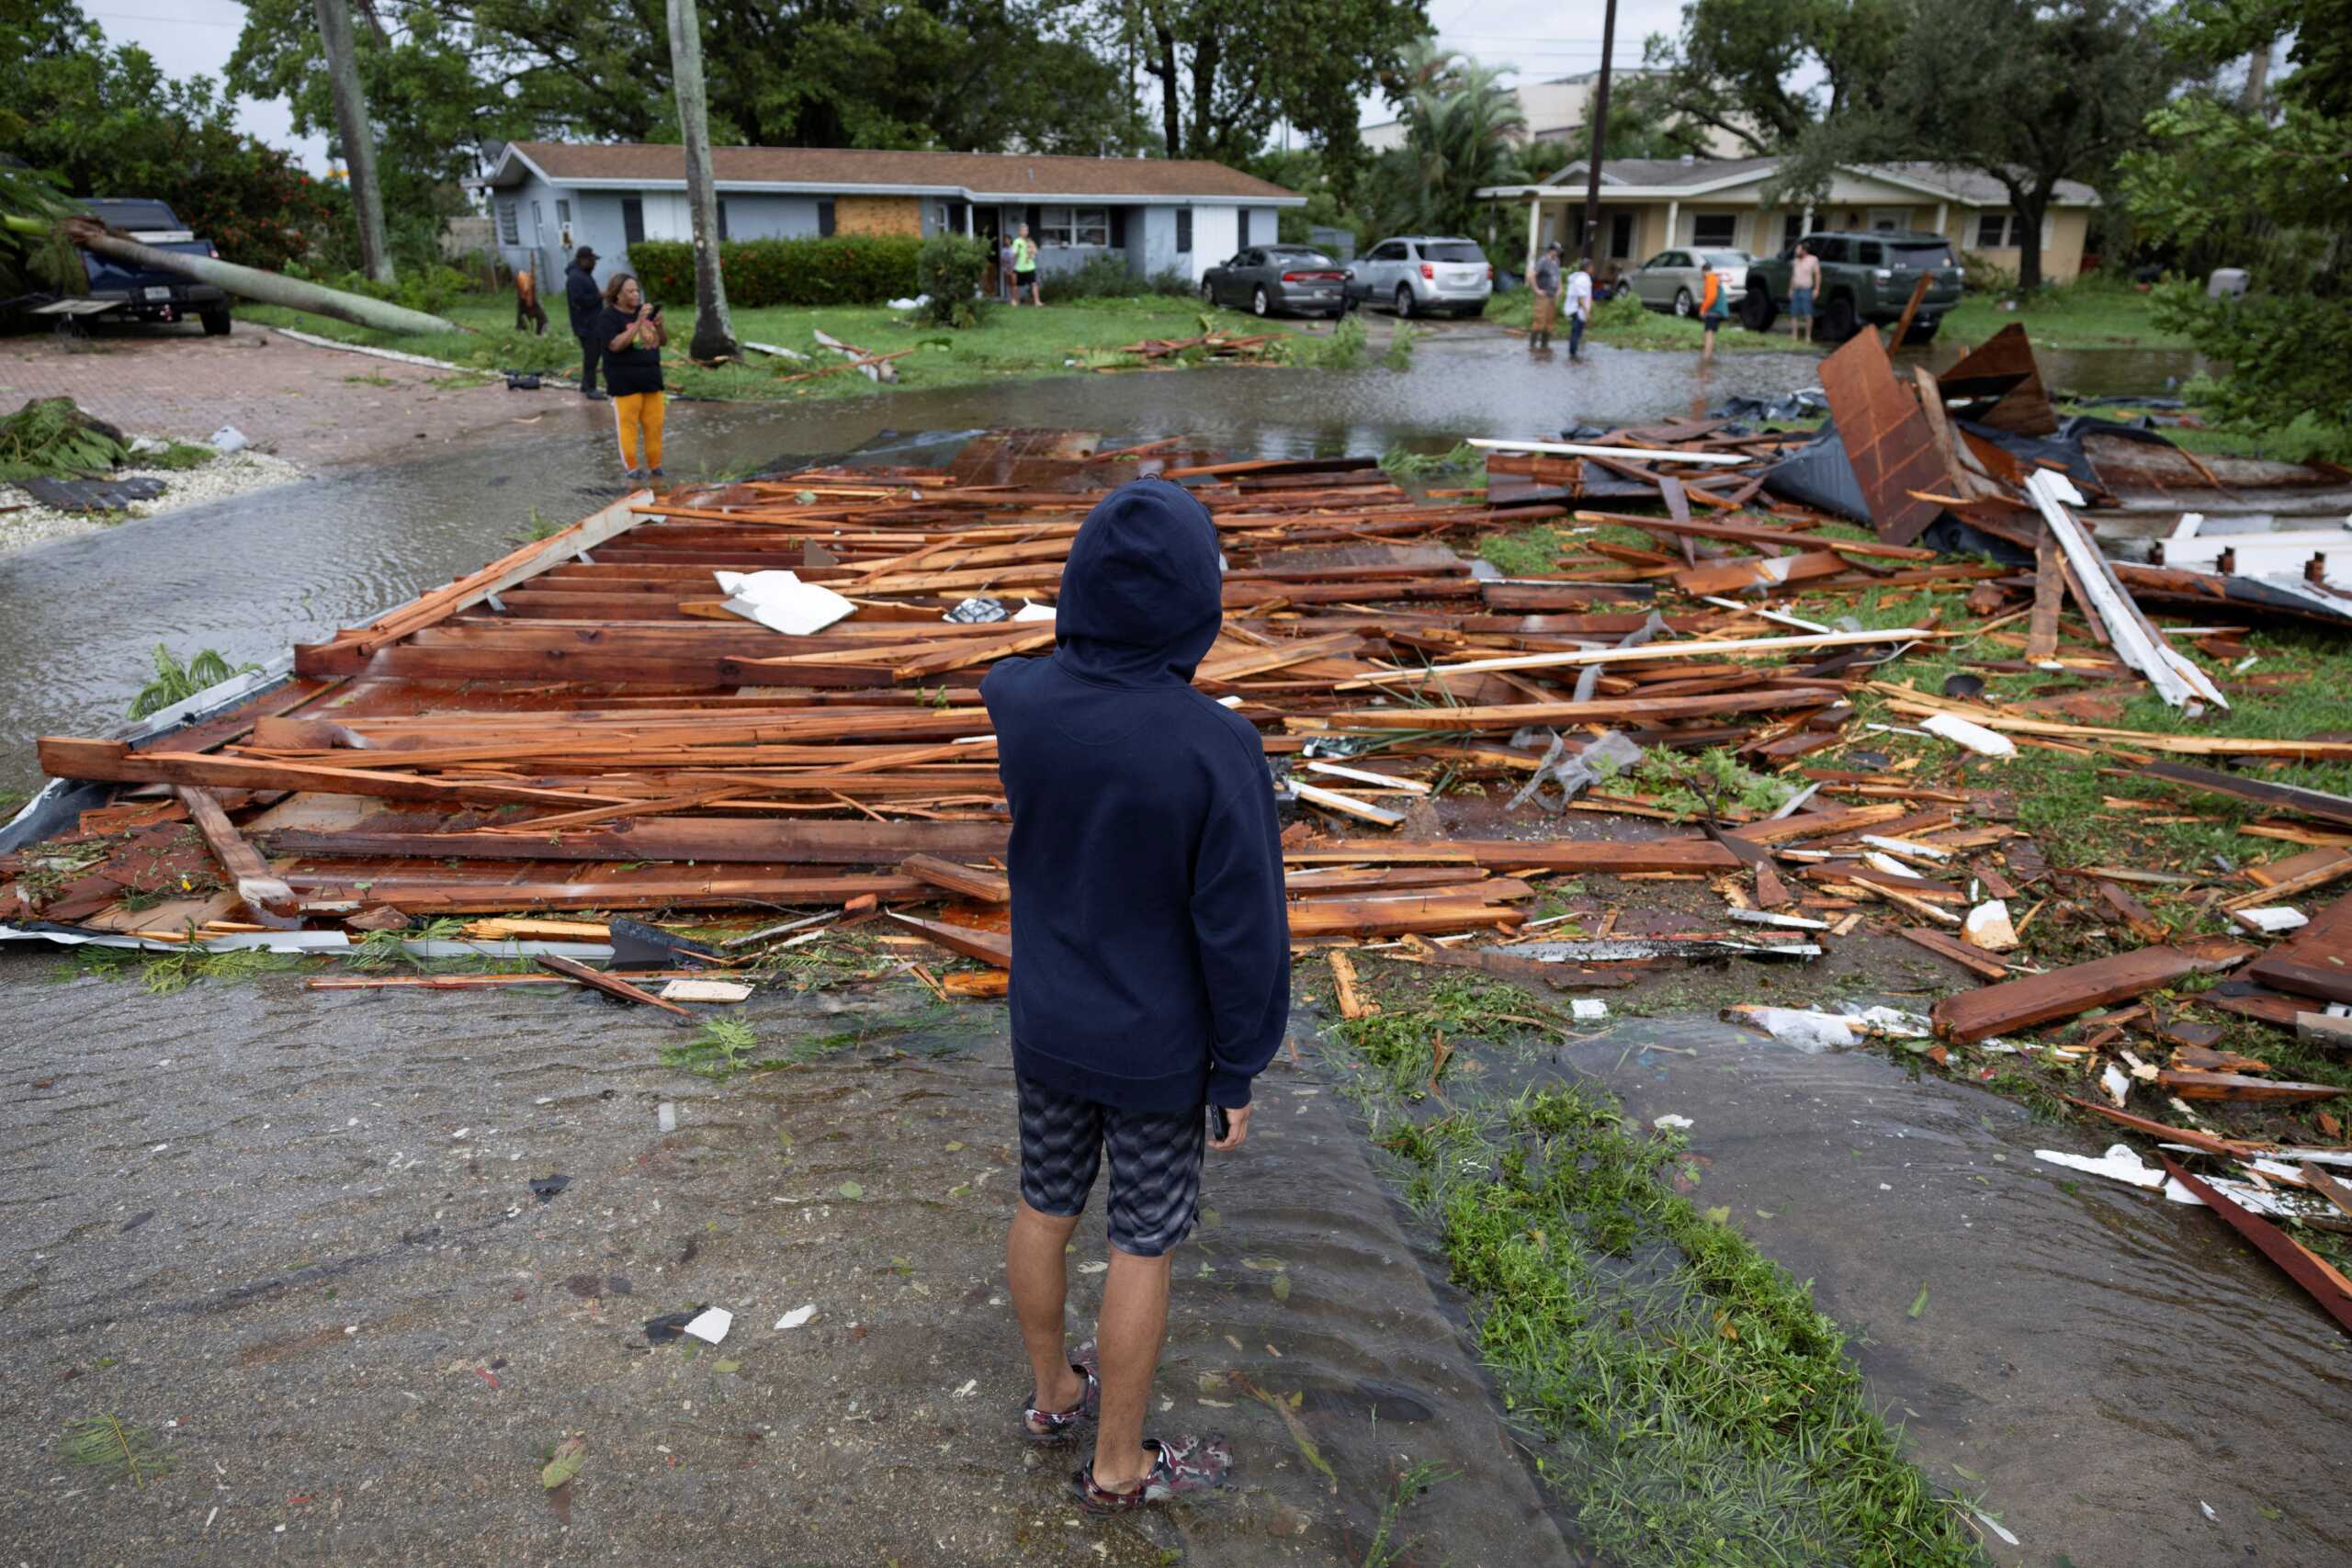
<point>986,887</point>
<point>989,947</point>
<point>2273,1243</point>
<point>1531,854</point>
<point>2049,594</point>
<point>1776,571</point>
<point>2288,797</point>
<point>2190,1084</point>
<point>1605,710</point>
<point>722,840</point>
<point>1343,978</point>
<point>1650,652</point>
<point>611,985</point>
<point>66,757</point>
<point>1973,959</point>
<point>1911,308</point>
<point>263,892</point>
<point>2061,993</point>
<point>416,894</point>
<point>2134,913</point>
<point>2327,1187</point>
<point>1751,534</point>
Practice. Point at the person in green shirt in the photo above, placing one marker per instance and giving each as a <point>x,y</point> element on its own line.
<point>1024,267</point>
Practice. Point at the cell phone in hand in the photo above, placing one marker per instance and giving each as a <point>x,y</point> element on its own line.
<point>1220,1124</point>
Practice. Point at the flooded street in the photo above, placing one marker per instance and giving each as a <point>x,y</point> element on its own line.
<point>2095,1361</point>
<point>296,1234</point>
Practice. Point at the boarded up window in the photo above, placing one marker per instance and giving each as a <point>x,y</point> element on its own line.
<point>509,234</point>
<point>1183,230</point>
<point>1241,227</point>
<point>633,220</point>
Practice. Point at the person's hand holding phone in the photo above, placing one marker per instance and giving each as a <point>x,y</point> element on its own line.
<point>1228,1129</point>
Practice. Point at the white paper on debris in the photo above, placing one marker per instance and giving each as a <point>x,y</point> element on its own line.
<point>781,601</point>
<point>797,1316</point>
<point>711,1325</point>
<point>1032,610</point>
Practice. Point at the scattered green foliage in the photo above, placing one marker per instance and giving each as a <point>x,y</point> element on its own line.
<point>175,682</point>
<point>1685,785</point>
<point>1342,348</point>
<point>1389,1547</point>
<point>1399,355</point>
<point>389,948</point>
<point>115,1449</point>
<point>168,974</point>
<point>721,1048</point>
<point>1524,552</point>
<point>1400,462</point>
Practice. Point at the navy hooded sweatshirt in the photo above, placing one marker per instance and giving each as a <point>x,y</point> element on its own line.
<point>1150,946</point>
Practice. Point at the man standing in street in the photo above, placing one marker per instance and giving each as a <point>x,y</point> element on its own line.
<point>1545,281</point>
<point>1805,277</point>
<point>1024,267</point>
<point>587,302</point>
<point>1579,303</point>
<point>1151,968</point>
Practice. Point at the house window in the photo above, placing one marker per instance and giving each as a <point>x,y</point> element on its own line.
<point>1791,231</point>
<point>1183,230</point>
<point>824,217</point>
<point>1621,236</point>
<point>1889,220</point>
<point>538,223</point>
<point>1074,226</point>
<point>508,234</point>
<point>1998,232</point>
<point>1717,231</point>
<point>633,220</point>
<point>722,223</point>
<point>563,213</point>
<point>1241,228</point>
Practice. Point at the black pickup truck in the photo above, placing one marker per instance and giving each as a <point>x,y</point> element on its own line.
<point>1865,277</point>
<point>142,295</point>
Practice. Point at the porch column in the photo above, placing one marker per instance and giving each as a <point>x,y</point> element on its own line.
<point>1534,221</point>
<point>1673,223</point>
<point>970,230</point>
<point>1943,215</point>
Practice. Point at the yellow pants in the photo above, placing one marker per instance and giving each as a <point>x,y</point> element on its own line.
<point>639,417</point>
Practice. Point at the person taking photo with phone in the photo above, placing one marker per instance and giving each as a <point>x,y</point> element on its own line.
<point>1150,963</point>
<point>629,330</point>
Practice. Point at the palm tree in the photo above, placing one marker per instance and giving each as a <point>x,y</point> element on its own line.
<point>1461,130</point>
<point>714,324</point>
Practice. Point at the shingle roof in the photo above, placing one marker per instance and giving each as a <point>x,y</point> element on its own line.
<point>1978,188</point>
<point>1969,185</point>
<point>1665,171</point>
<point>1008,175</point>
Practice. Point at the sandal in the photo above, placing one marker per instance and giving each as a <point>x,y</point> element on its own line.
<point>1048,1427</point>
<point>1185,1466</point>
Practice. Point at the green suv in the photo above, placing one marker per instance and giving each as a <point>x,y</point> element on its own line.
<point>1864,278</point>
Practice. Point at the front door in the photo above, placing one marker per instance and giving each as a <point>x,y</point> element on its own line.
<point>985,227</point>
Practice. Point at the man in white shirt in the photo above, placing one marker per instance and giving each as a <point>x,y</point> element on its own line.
<point>1578,303</point>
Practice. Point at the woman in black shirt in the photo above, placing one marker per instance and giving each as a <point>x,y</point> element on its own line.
<point>630,330</point>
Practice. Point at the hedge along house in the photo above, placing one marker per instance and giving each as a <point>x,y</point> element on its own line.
<point>1652,205</point>
<point>549,197</point>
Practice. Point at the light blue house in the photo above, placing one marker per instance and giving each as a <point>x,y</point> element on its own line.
<point>549,197</point>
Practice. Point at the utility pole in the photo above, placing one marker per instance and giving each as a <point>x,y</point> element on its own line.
<point>713,328</point>
<point>357,136</point>
<point>1600,135</point>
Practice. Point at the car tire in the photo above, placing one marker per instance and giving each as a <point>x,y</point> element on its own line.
<point>1684,306</point>
<point>1472,312</point>
<point>1838,322</point>
<point>1258,304</point>
<point>1208,294</point>
<point>216,323</point>
<point>1757,313</point>
<point>1404,301</point>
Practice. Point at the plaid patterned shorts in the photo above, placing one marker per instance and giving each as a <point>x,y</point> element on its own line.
<point>1155,1165</point>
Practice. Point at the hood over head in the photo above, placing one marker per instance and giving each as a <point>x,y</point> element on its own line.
<point>1142,592</point>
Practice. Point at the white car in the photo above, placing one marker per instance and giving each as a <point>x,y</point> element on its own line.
<point>1669,280</point>
<point>1424,275</point>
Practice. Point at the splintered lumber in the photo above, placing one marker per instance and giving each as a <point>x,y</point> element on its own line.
<point>2190,1084</point>
<point>1973,959</point>
<point>988,947</point>
<point>2138,644</point>
<point>1343,978</point>
<point>264,893</point>
<point>1750,533</point>
<point>747,839</point>
<point>1514,716</point>
<point>1765,572</point>
<point>1583,449</point>
<point>611,985</point>
<point>2306,1271</point>
<point>986,887</point>
<point>113,761</point>
<point>1532,854</point>
<point>1647,652</point>
<point>2061,993</point>
<point>2315,962</point>
<point>2048,596</point>
<point>1887,438</point>
<point>1910,702</point>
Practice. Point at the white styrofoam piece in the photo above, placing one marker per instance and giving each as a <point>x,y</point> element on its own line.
<point>1976,736</point>
<point>781,601</point>
<point>711,1325</point>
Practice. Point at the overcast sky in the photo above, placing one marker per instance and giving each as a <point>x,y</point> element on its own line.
<point>1530,35</point>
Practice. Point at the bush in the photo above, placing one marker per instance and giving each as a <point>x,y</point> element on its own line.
<point>845,269</point>
<point>949,268</point>
<point>1103,277</point>
<point>1173,281</point>
<point>1978,275</point>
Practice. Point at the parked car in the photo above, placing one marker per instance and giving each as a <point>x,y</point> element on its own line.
<point>1864,278</point>
<point>1267,278</point>
<point>1422,273</point>
<point>150,295</point>
<point>1669,280</point>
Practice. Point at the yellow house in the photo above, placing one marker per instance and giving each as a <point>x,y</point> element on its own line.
<point>1648,205</point>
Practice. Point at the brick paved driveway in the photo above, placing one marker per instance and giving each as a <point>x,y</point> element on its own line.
<point>317,407</point>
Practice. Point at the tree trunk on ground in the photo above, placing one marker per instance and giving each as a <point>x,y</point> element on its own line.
<point>359,137</point>
<point>251,283</point>
<point>714,327</point>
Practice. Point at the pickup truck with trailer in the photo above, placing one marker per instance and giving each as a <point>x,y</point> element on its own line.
<point>1865,277</point>
<point>125,293</point>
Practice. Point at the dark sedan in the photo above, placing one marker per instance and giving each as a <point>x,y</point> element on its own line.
<point>1267,278</point>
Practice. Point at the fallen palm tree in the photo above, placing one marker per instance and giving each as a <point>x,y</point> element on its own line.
<point>252,283</point>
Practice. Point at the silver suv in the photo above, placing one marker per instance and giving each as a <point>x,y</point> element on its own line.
<point>1423,273</point>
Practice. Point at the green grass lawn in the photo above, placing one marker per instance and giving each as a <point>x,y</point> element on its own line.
<point>2092,313</point>
<point>1625,324</point>
<point>1064,339</point>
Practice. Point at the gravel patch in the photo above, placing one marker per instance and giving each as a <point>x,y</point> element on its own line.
<point>238,473</point>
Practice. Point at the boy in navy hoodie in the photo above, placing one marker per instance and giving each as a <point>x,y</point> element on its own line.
<point>1151,960</point>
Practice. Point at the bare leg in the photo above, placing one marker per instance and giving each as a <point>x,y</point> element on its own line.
<point>1134,1325</point>
<point>1034,1255</point>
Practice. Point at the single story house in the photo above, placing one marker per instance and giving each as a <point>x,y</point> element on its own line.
<point>549,197</point>
<point>1648,205</point>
